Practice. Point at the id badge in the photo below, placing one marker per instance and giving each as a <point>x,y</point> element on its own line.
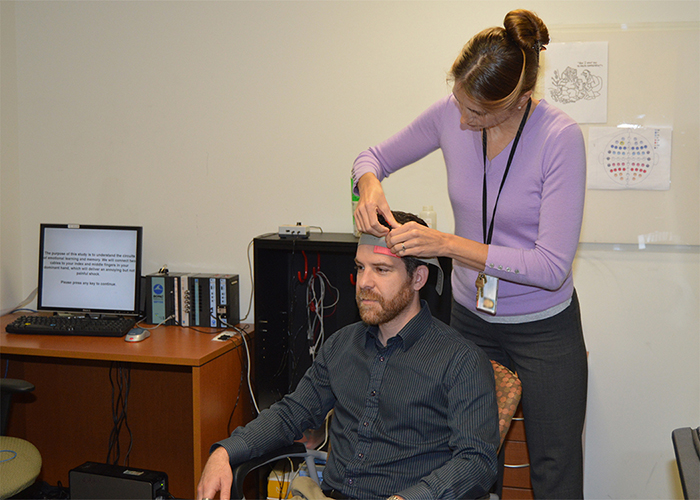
<point>486,300</point>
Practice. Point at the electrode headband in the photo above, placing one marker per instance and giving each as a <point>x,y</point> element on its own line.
<point>379,245</point>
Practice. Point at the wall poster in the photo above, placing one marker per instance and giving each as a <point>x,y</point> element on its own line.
<point>576,79</point>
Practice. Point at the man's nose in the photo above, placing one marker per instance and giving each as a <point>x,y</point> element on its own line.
<point>364,281</point>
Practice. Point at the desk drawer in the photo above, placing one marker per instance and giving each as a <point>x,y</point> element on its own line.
<point>517,494</point>
<point>517,469</point>
<point>517,430</point>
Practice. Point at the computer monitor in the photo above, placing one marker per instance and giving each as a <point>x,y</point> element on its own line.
<point>90,269</point>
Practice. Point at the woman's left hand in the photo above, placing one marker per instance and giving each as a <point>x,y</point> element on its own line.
<point>416,240</point>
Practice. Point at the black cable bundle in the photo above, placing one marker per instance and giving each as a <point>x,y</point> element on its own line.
<point>120,401</point>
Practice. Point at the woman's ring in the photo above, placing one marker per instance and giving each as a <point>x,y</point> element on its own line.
<point>403,247</point>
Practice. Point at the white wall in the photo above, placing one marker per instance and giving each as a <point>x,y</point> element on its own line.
<point>209,123</point>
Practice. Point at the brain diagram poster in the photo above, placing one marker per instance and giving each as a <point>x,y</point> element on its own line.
<point>629,158</point>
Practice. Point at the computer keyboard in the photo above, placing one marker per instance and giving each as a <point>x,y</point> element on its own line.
<point>116,326</point>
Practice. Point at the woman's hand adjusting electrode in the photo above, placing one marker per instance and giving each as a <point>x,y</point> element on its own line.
<point>371,204</point>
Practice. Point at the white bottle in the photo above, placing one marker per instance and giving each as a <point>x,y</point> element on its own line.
<point>429,216</point>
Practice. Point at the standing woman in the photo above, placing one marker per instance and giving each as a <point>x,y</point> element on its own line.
<point>516,182</point>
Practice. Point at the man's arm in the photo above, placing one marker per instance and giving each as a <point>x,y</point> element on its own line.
<point>275,427</point>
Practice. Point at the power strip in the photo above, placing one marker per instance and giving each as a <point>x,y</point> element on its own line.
<point>294,231</point>
<point>224,336</point>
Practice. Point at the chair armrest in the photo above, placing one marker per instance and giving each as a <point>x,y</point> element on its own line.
<point>686,444</point>
<point>8,387</point>
<point>240,471</point>
<point>13,385</point>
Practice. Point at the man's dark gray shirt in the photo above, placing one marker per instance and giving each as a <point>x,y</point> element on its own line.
<point>417,418</point>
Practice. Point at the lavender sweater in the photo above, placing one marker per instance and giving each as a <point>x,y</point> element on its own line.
<point>540,210</point>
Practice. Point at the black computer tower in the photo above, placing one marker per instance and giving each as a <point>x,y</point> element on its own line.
<point>94,480</point>
<point>284,269</point>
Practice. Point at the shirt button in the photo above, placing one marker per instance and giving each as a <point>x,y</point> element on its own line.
<point>381,358</point>
<point>508,269</point>
<point>491,265</point>
<point>500,268</point>
<point>517,271</point>
<point>365,424</point>
<point>373,393</point>
<point>361,455</point>
<point>351,481</point>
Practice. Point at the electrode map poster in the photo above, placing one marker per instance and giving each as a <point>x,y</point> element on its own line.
<point>576,80</point>
<point>629,158</point>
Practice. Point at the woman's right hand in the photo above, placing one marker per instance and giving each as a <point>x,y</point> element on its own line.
<point>372,202</point>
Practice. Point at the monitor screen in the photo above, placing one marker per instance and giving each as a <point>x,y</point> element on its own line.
<point>91,269</point>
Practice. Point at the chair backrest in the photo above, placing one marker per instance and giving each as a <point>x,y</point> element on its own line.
<point>686,444</point>
<point>509,390</point>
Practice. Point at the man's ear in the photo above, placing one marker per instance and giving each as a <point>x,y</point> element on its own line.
<point>420,277</point>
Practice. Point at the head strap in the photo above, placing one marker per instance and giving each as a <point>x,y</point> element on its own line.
<point>380,246</point>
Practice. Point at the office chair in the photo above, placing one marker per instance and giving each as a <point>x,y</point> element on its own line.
<point>20,461</point>
<point>509,390</point>
<point>686,444</point>
<point>508,393</point>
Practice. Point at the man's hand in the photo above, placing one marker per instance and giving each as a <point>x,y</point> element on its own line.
<point>216,477</point>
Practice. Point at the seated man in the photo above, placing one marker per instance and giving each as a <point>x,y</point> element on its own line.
<point>415,406</point>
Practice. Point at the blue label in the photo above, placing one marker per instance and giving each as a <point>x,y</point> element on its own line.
<point>158,300</point>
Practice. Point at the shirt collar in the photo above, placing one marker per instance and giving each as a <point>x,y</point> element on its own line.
<point>411,332</point>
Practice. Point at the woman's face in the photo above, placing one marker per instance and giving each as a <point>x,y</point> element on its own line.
<point>475,117</point>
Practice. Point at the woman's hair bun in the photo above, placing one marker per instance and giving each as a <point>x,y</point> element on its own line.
<point>526,29</point>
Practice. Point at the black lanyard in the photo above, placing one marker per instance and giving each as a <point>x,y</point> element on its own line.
<point>487,239</point>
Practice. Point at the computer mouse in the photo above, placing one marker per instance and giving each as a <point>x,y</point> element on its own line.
<point>137,335</point>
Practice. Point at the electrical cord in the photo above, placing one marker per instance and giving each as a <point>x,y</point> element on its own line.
<point>138,323</point>
<point>243,333</point>
<point>120,402</point>
<point>325,424</point>
<point>315,310</point>
<point>250,273</point>
<point>20,306</point>
<point>252,394</point>
<point>238,392</point>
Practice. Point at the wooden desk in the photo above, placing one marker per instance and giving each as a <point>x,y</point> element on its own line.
<point>184,389</point>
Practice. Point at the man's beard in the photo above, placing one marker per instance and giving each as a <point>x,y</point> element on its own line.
<point>382,311</point>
